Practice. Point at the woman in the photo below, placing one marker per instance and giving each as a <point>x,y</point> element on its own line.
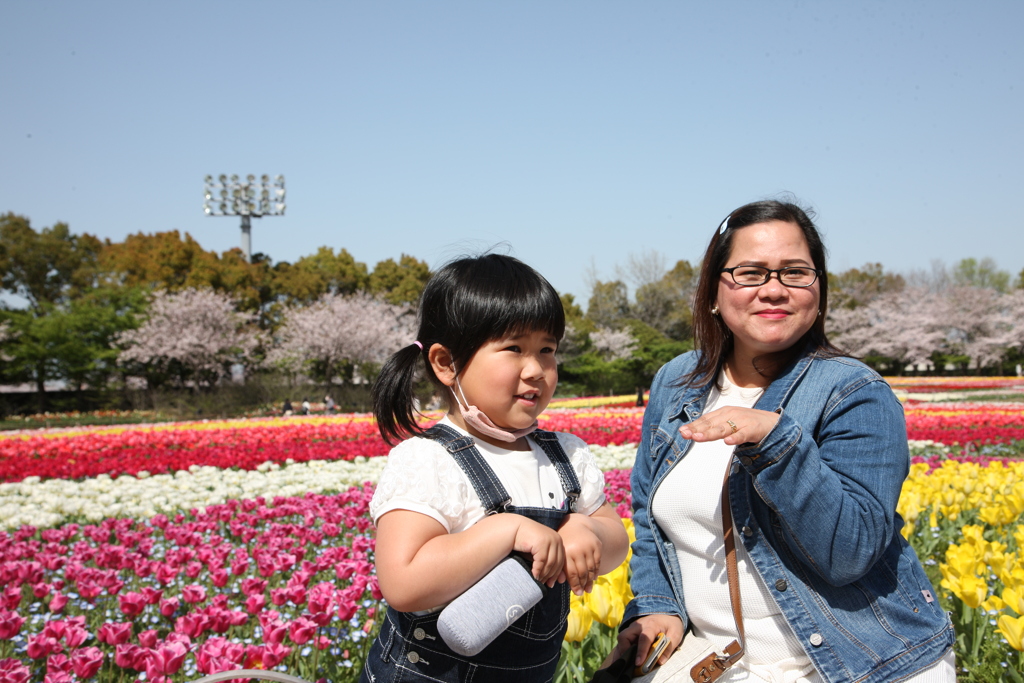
<point>830,590</point>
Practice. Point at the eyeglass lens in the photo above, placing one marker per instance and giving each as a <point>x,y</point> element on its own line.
<point>756,275</point>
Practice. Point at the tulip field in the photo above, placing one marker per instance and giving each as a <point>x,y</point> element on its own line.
<point>166,552</point>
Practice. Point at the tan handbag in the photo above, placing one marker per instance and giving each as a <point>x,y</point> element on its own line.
<point>697,659</point>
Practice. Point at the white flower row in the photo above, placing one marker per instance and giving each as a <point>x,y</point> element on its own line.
<point>55,501</point>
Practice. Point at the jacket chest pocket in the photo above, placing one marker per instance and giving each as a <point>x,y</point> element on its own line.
<point>663,445</point>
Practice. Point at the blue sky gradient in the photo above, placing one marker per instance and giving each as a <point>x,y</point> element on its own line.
<point>575,132</point>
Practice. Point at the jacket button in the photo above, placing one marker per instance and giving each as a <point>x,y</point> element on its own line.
<point>746,461</point>
<point>816,639</point>
<point>419,634</point>
<point>747,531</point>
<point>413,657</point>
<point>781,585</point>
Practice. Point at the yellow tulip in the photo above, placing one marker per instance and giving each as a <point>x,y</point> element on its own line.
<point>1013,630</point>
<point>993,604</point>
<point>606,604</point>
<point>580,620</point>
<point>1014,600</point>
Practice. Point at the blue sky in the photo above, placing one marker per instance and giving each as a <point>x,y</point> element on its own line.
<point>575,132</point>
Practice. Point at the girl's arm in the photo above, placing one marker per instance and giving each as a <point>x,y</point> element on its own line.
<point>420,565</point>
<point>594,545</point>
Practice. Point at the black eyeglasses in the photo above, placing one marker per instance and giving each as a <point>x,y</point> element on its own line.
<point>755,276</point>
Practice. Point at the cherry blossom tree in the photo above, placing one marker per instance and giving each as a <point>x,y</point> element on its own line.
<point>613,345</point>
<point>978,324</point>
<point>901,326</point>
<point>194,335</point>
<point>340,334</point>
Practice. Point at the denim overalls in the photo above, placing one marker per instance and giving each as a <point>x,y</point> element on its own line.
<point>408,647</point>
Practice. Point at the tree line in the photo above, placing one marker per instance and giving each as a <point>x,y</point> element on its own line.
<point>157,311</point>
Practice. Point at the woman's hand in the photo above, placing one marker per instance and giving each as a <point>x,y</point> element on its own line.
<point>733,425</point>
<point>646,630</point>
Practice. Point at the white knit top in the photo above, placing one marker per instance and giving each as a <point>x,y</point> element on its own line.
<point>688,507</point>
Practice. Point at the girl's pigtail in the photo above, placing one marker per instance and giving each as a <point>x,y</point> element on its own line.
<point>393,397</point>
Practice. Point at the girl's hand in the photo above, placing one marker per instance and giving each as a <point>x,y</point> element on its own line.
<point>733,425</point>
<point>646,630</point>
<point>544,545</point>
<point>582,553</point>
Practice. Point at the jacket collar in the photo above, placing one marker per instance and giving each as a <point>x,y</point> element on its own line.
<point>691,400</point>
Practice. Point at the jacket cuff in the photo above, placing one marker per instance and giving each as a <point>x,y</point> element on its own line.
<point>775,446</point>
<point>650,604</point>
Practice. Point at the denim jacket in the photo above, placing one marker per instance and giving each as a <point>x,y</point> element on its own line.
<point>815,506</point>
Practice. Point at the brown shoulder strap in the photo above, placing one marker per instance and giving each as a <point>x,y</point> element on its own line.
<point>715,664</point>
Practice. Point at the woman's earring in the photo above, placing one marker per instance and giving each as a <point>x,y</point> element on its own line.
<point>819,313</point>
<point>714,311</point>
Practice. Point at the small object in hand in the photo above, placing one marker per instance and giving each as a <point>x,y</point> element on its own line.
<point>733,425</point>
<point>660,645</point>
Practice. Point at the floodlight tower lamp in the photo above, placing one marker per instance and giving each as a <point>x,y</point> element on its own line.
<point>251,198</point>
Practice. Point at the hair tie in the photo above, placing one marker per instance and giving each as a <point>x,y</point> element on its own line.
<point>725,225</point>
<point>419,344</point>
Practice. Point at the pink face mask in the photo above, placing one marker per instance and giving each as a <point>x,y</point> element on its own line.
<point>476,419</point>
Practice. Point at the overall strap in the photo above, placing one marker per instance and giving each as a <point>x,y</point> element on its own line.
<point>548,441</point>
<point>485,482</point>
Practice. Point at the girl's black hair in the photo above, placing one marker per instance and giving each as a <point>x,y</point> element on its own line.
<point>466,304</point>
<point>710,333</point>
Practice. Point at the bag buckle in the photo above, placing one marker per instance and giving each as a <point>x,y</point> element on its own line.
<point>714,665</point>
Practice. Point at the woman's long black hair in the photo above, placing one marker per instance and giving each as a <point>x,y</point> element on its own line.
<point>711,335</point>
<point>466,304</point>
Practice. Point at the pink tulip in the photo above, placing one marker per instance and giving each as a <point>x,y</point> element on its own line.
<point>165,660</point>
<point>58,602</point>
<point>168,606</point>
<point>10,624</point>
<point>301,630</point>
<point>148,639</point>
<point>114,633</point>
<point>193,593</point>
<point>219,578</point>
<point>41,646</point>
<point>14,671</point>
<point>75,635</point>
<point>255,603</point>
<point>127,656</point>
<point>132,604</point>
<point>58,664</point>
<point>11,598</point>
<point>152,595</point>
<point>192,625</point>
<point>86,662</point>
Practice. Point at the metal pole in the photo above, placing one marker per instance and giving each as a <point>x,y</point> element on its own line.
<point>246,238</point>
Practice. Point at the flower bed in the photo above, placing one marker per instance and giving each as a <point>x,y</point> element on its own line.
<point>205,568</point>
<point>242,444</point>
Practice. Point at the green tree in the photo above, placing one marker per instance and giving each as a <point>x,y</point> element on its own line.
<point>608,304</point>
<point>324,272</point>
<point>49,269</point>
<point>168,261</point>
<point>399,283</point>
<point>665,303</point>
<point>859,286</point>
<point>46,267</point>
<point>971,273</point>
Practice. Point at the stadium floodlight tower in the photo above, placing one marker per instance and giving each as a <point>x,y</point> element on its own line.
<point>251,198</point>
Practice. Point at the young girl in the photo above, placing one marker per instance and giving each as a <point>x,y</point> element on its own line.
<point>458,498</point>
